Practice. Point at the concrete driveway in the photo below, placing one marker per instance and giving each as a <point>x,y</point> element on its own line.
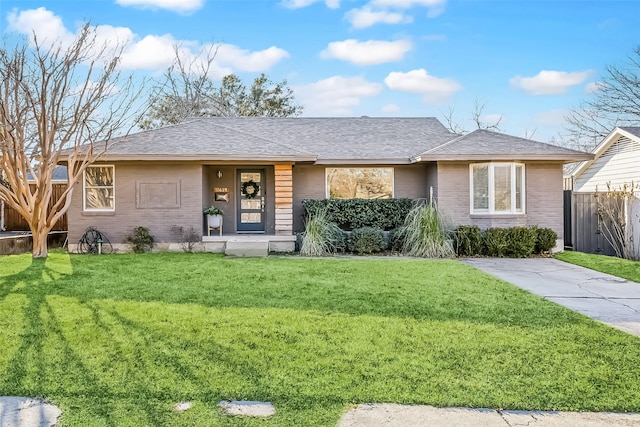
<point>606,298</point>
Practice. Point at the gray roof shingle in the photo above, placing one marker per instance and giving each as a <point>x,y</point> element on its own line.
<point>485,144</point>
<point>632,129</point>
<point>323,140</point>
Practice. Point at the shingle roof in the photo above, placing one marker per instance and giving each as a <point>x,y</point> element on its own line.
<point>489,145</point>
<point>632,129</point>
<point>322,140</point>
<point>59,174</point>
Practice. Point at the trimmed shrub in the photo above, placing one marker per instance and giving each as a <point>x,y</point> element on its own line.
<point>495,242</point>
<point>521,241</point>
<point>366,240</point>
<point>468,240</point>
<point>350,214</point>
<point>545,240</point>
<point>140,239</point>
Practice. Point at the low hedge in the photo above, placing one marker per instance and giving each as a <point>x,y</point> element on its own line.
<point>367,240</point>
<point>350,214</point>
<point>514,242</point>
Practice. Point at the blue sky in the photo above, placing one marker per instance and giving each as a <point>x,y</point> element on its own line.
<point>528,62</point>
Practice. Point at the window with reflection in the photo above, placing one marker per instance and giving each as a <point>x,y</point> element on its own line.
<point>99,188</point>
<point>359,183</point>
<point>497,188</point>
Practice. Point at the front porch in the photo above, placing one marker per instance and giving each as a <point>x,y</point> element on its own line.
<point>244,245</point>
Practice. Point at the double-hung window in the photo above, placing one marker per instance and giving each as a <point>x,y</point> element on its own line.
<point>497,188</point>
<point>98,192</point>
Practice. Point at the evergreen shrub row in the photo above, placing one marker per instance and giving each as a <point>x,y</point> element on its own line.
<point>514,242</point>
<point>350,214</point>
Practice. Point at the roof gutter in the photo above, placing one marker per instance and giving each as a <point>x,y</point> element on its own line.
<point>569,158</point>
<point>203,157</point>
<point>396,161</point>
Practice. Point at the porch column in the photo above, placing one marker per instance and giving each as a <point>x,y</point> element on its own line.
<point>284,199</point>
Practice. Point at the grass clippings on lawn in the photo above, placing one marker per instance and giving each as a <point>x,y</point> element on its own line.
<point>119,340</point>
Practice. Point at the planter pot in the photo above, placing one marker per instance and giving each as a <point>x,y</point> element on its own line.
<point>214,222</point>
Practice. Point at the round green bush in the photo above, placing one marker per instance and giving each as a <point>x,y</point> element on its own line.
<point>366,240</point>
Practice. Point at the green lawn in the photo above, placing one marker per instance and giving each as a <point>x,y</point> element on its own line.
<point>619,267</point>
<point>117,340</point>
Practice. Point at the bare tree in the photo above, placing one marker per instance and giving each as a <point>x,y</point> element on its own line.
<point>615,102</point>
<point>477,118</point>
<point>617,218</point>
<point>188,90</point>
<point>57,102</point>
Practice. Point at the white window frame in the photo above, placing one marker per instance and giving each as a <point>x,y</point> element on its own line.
<point>491,172</point>
<point>326,178</point>
<point>84,189</point>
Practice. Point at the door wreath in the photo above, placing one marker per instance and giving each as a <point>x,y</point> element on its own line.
<point>250,189</point>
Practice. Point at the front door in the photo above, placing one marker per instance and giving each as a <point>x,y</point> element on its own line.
<point>251,201</point>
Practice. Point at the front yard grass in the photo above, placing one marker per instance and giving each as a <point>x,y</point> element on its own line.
<point>117,340</point>
<point>619,267</point>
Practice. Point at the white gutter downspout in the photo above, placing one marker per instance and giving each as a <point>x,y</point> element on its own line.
<point>2,228</point>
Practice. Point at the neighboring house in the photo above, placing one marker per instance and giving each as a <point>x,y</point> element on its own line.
<point>165,177</point>
<point>616,164</point>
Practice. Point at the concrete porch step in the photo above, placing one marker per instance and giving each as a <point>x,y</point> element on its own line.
<point>247,248</point>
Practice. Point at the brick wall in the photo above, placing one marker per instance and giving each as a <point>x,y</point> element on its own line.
<point>130,211</point>
<point>412,181</point>
<point>543,197</point>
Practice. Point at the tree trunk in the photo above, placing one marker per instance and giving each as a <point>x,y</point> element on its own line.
<point>40,243</point>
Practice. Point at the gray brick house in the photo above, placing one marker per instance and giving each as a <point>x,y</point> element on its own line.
<point>166,177</point>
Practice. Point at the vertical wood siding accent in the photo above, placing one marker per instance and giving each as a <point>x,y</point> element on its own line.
<point>283,199</point>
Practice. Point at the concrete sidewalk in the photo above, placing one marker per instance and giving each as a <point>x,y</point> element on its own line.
<point>603,297</point>
<point>392,415</point>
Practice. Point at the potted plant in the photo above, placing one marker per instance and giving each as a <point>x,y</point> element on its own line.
<point>213,210</point>
<point>214,218</point>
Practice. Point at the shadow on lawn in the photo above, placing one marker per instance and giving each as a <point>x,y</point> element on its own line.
<point>122,380</point>
<point>45,364</point>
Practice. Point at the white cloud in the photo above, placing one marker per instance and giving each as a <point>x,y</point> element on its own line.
<point>548,82</point>
<point>435,7</point>
<point>367,17</point>
<point>180,6</point>
<point>335,96</point>
<point>367,53</point>
<point>391,12</point>
<point>390,108</point>
<point>434,90</point>
<point>48,27</point>
<point>245,60</point>
<point>152,52</point>
<point>298,4</point>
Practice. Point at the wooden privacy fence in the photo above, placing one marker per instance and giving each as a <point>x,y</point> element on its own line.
<point>581,213</point>
<point>13,221</point>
